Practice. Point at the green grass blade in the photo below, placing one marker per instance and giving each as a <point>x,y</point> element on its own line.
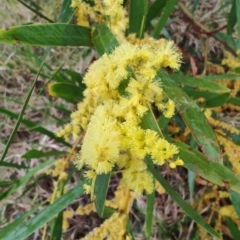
<point>13,165</point>
<point>21,232</point>
<point>154,10</point>
<point>149,214</point>
<point>55,34</point>
<point>104,40</point>
<point>232,19</point>
<point>34,153</point>
<point>66,13</point>
<point>25,179</point>
<point>20,117</point>
<point>192,116</point>
<point>18,222</point>
<point>100,192</point>
<point>34,127</point>
<point>137,17</point>
<point>184,206</point>
<point>169,6</point>
<point>35,11</point>
<point>67,91</point>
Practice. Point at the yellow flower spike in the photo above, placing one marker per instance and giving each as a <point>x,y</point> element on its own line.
<point>170,107</point>
<point>87,188</point>
<point>66,214</point>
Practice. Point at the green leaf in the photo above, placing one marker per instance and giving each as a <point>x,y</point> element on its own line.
<point>20,116</point>
<point>184,206</point>
<point>137,17</point>
<point>235,197</point>
<point>232,19</point>
<point>67,91</point>
<point>104,40</point>
<point>66,12</point>
<point>25,179</point>
<point>191,182</point>
<point>212,99</point>
<point>169,6</point>
<point>149,214</point>
<point>238,16</point>
<point>34,153</point>
<point>192,116</point>
<point>57,228</point>
<point>55,34</point>
<point>234,100</point>
<point>195,161</point>
<point>154,10</point>
<point>13,165</point>
<point>212,171</point>
<point>233,228</point>
<point>232,44</point>
<point>199,82</point>
<point>36,128</point>
<point>18,222</point>
<point>21,232</point>
<point>222,77</point>
<point>100,192</point>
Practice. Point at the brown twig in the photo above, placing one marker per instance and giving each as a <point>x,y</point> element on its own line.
<point>204,30</point>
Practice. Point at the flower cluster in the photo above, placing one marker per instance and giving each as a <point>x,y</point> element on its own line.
<point>110,12</point>
<point>121,88</point>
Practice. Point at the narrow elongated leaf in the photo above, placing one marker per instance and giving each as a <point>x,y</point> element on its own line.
<point>212,171</point>
<point>233,228</point>
<point>137,17</point>
<point>222,77</point>
<point>238,16</point>
<point>34,8</point>
<point>154,10</point>
<point>232,19</point>
<point>235,197</point>
<point>192,116</point>
<point>184,206</point>
<point>34,127</point>
<point>66,12</point>
<point>67,91</point>
<point>25,179</point>
<point>234,100</point>
<point>20,116</point>
<point>34,153</point>
<point>229,42</point>
<point>195,161</point>
<point>169,6</point>
<point>56,34</point>
<point>13,165</point>
<point>18,222</point>
<point>104,40</point>
<point>21,232</point>
<point>213,99</point>
<point>201,83</point>
<point>100,192</point>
